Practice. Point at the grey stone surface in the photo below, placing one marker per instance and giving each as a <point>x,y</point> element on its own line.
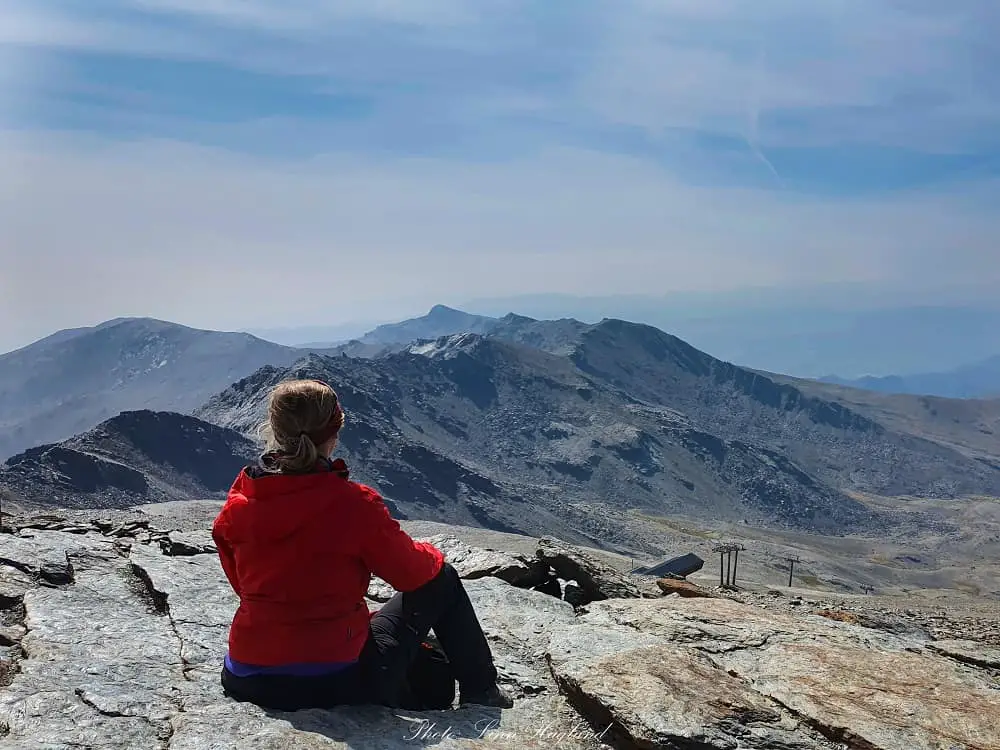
<point>754,678</point>
<point>969,652</point>
<point>126,654</point>
<point>596,580</point>
<point>473,562</point>
<point>181,543</point>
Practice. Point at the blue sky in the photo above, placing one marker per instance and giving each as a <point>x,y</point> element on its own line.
<point>415,147</point>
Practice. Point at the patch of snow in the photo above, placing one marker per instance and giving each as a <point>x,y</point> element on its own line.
<point>425,349</point>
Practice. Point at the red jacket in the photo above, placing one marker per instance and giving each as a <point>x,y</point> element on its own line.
<point>299,550</point>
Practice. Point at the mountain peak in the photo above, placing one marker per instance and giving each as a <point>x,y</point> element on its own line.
<point>52,388</point>
<point>439,310</point>
<point>440,321</point>
<point>513,318</point>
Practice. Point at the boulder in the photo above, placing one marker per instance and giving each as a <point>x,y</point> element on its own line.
<point>596,579</point>
<point>658,696</point>
<point>187,543</point>
<point>682,588</point>
<point>474,562</point>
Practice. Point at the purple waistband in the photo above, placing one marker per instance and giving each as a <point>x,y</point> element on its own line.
<point>239,669</point>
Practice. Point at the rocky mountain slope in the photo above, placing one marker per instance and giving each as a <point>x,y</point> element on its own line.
<point>976,380</point>
<point>113,636</point>
<point>69,382</point>
<point>970,426</point>
<point>840,444</point>
<point>135,457</point>
<point>474,429</point>
<point>587,431</point>
<point>628,417</point>
<point>656,366</point>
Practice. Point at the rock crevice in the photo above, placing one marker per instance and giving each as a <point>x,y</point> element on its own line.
<point>161,605</point>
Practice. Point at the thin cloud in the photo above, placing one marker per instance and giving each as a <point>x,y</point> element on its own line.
<point>849,69</point>
<point>754,114</point>
<point>205,236</point>
<point>176,158</point>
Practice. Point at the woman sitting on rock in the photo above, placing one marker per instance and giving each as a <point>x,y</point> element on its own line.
<point>299,543</point>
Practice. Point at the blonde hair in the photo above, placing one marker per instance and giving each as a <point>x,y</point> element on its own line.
<point>301,416</point>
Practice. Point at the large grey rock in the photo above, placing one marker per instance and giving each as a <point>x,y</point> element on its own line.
<point>665,697</point>
<point>473,562</point>
<point>872,698</point>
<point>185,543</point>
<point>519,623</point>
<point>99,669</point>
<point>724,674</point>
<point>596,580</point>
<point>126,654</point>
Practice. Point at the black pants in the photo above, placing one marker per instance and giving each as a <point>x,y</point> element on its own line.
<point>395,635</point>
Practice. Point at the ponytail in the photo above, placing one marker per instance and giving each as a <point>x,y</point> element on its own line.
<point>303,459</point>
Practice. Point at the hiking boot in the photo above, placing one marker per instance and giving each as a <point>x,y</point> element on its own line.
<point>494,697</point>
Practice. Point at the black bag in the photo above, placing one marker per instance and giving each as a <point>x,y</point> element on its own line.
<point>430,681</point>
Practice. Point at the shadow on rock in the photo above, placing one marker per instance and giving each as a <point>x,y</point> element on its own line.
<point>376,727</point>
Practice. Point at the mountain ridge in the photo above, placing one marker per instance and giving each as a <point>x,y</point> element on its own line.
<point>553,438</point>
<point>135,457</point>
<point>577,429</point>
<point>976,380</point>
<point>67,383</point>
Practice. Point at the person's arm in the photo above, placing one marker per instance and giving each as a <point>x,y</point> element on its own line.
<point>226,556</point>
<point>389,552</point>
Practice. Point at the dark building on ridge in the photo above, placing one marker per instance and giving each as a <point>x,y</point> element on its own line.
<point>679,567</point>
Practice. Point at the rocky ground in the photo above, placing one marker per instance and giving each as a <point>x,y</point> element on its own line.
<point>947,618</point>
<point>112,634</point>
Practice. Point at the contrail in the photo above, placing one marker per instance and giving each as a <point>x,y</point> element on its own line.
<point>754,111</point>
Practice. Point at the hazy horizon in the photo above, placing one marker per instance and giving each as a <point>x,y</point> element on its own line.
<point>256,164</point>
<point>843,330</point>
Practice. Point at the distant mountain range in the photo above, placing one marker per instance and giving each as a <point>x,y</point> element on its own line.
<point>978,380</point>
<point>843,329</point>
<point>135,457</point>
<point>527,425</point>
<point>71,381</point>
<point>834,329</point>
